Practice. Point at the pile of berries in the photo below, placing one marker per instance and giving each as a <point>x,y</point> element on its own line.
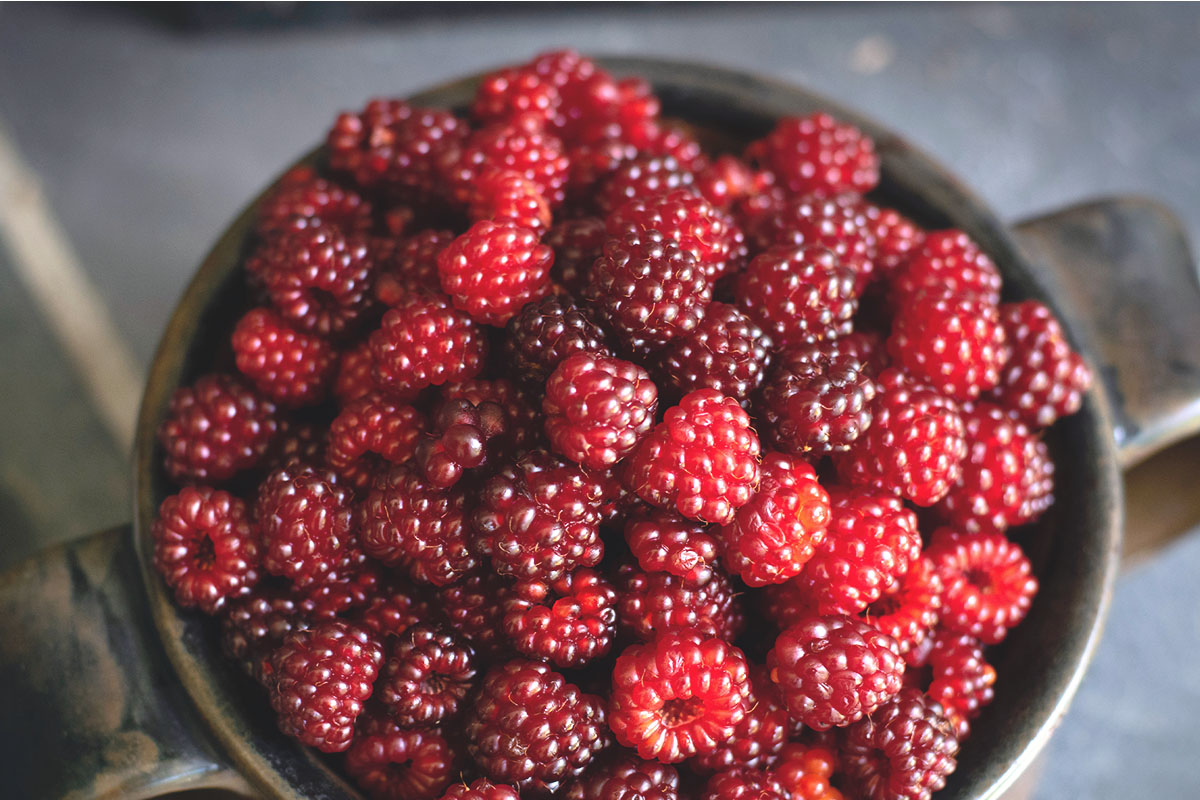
<point>545,419</point>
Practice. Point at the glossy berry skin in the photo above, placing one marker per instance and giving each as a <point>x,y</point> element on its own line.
<point>494,269</point>
<point>949,261</point>
<point>650,603</point>
<point>805,772</point>
<point>390,762</point>
<point>426,676</point>
<point>743,783</point>
<point>539,518</point>
<point>392,610</point>
<point>568,622</point>
<point>305,520</point>
<point>350,586</point>
<point>643,176</point>
<point>724,180</point>
<point>481,789</point>
<point>962,679</point>
<point>544,333</point>
<point>773,536</point>
<point>758,738</point>
<point>701,460</point>
<point>648,290</point>
<point>471,609</point>
<point>989,583</point>
<point>1044,379</point>
<point>904,751</point>
<point>678,696</point>
<point>465,436</point>
<point>892,238</point>
<point>834,670</point>
<point>424,341</point>
<point>302,201</point>
<point>355,374</point>
<point>727,351</point>
<point>522,425</point>
<point>824,223</point>
<point>910,610</point>
<point>626,778</point>
<point>205,548</point>
<point>525,149</point>
<point>369,433</point>
<point>215,428</point>
<point>320,678</point>
<point>798,294</point>
<point>514,92</point>
<point>531,728</point>
<point>577,243</point>
<point>597,408</point>
<point>818,154</point>
<point>252,626</point>
<point>508,198</point>
<point>663,541</point>
<point>288,366</point>
<point>411,259</point>
<point>915,445</point>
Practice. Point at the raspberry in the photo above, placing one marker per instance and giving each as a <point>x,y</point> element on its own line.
<point>513,92</point>
<point>868,347</point>
<point>817,401</point>
<point>545,332</point>
<point>1044,379</point>
<point>214,429</point>
<point>759,737</point>
<point>962,679</point>
<point>471,609</point>
<point>355,376</point>
<point>892,238</point>
<point>408,523</point>
<point>426,676</point>
<point>641,177</point>
<point>464,437</point>
<point>577,243</point>
<point>412,259</point>
<point>532,153</point>
<point>568,622</point>
<point>627,778</point>
<point>818,154</point>
<point>290,367</point>
<point>482,789</point>
<point>692,222</point>
<point>902,752</point>
<point>349,587</point>
<point>205,548</point>
<point>725,180</point>
<point>320,678</point>
<point>318,279</point>
<point>370,433</point>
<point>302,200</point>
<point>743,783</point>
<point>727,351</point>
<point>539,518</point>
<point>592,163</point>
<point>702,459</point>
<point>598,408</point>
<point>424,341</point>
<point>805,772</point>
<point>648,289</point>
<point>915,445</point>
<point>586,91</point>
<point>665,138</point>
<point>1007,477</point>
<point>394,763</point>
<point>833,670</point>
<point>523,424</point>
<point>988,583</point>
<point>947,261</point>
<point>302,441</point>
<point>493,269</point>
<point>532,728</point>
<point>910,610</point>
<point>815,222</point>
<point>773,536</point>
<point>304,518</point>
<point>798,294</point>
<point>665,542</point>
<point>392,611</point>
<point>678,695</point>
<point>871,542</point>
<point>654,602</point>
<point>787,603</point>
<point>508,198</point>
<point>254,625</point>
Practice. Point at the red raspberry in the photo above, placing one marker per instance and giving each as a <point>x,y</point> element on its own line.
<point>988,583</point>
<point>392,611</point>
<point>648,289</point>
<point>947,261</point>
<point>902,752</point>
<point>702,459</point>
<point>818,154</point>
<point>910,610</point>
<point>426,676</point>
<point>349,587</point>
<point>290,367</point>
<point>869,347</point>
<point>369,434</point>
<point>806,772</point>
<point>665,542</point>
<point>539,518</point>
<point>255,625</point>
<point>542,334</point>
<point>650,603</point>
<point>592,163</point>
<point>425,342</point>
<point>743,783</point>
<point>817,401</point>
<point>215,428</point>
<point>711,236</point>
<point>892,238</point>
<point>833,670</point>
<point>412,259</point>
<point>352,137</point>
<point>725,180</point>
<point>406,522</point>
<point>320,678</point>
<point>787,603</point>
<point>568,622</point>
<point>509,93</point>
<point>532,153</point>
<point>494,269</point>
<point>678,696</point>
<point>798,294</point>
<point>816,222</point>
<point>962,679</point>
<point>304,518</point>
<point>641,177</point>
<point>587,92</point>
<point>481,789</point>
<point>1007,477</point>
<point>532,728</point>
<point>205,548</point>
<point>773,536</point>
<point>598,408</point>
<point>727,351</point>
<point>508,198</point>
<point>665,138</point>
<point>302,200</point>
<point>627,778</point>
<point>393,763</point>
<point>915,445</point>
<point>1044,379</point>
<point>577,243</point>
<point>759,737</point>
<point>871,542</point>
<point>355,376</point>
<point>471,609</point>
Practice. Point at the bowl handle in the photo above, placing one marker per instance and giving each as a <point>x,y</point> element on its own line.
<point>91,707</point>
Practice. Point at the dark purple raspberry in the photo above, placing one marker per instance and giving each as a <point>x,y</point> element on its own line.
<point>545,332</point>
<point>215,428</point>
<point>626,777</point>
<point>255,625</point>
<point>426,676</point>
<point>904,751</point>
<point>411,259</point>
<point>577,243</point>
<point>727,351</point>
<point>481,789</point>
<point>471,607</point>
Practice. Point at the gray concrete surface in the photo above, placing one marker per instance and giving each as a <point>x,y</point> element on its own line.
<point>148,141</point>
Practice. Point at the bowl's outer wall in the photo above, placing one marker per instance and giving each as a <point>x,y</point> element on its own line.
<point>1074,549</point>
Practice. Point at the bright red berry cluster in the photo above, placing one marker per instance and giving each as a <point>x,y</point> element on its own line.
<point>557,457</point>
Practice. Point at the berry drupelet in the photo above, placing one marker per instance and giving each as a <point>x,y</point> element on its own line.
<point>494,269</point>
<point>216,428</point>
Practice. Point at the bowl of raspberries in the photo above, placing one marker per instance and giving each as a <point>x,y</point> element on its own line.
<point>623,429</point>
